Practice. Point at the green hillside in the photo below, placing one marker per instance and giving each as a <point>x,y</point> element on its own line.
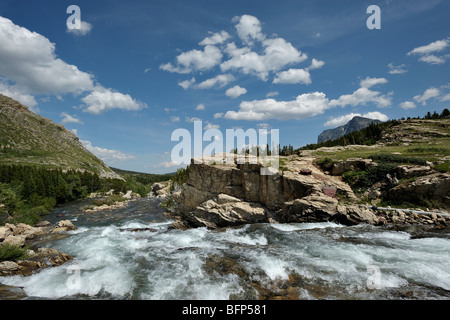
<point>27,138</point>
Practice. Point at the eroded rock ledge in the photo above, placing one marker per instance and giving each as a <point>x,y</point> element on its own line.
<point>227,195</point>
<point>37,258</point>
<point>217,195</point>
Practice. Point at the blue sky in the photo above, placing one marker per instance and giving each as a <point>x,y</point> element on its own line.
<point>138,70</point>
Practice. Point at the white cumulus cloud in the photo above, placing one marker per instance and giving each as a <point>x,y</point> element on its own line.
<point>305,105</point>
<point>235,92</point>
<point>29,60</point>
<point>107,155</point>
<point>221,80</point>
<point>195,60</point>
<point>85,28</point>
<point>67,118</point>
<point>364,95</point>
<point>102,99</point>
<point>249,28</point>
<point>216,38</point>
<point>277,54</point>
<point>342,120</point>
<point>407,105</point>
<point>427,95</point>
<point>428,52</point>
<point>293,76</point>
<point>29,66</point>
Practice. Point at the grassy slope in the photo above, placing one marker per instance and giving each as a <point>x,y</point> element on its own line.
<point>432,143</point>
<point>28,138</point>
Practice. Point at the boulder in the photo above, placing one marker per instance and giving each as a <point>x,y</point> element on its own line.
<point>225,210</point>
<point>18,240</point>
<point>433,187</point>
<point>312,208</point>
<point>351,164</point>
<point>5,232</point>
<point>8,266</point>
<point>356,214</point>
<point>28,231</point>
<point>64,225</point>
<point>411,171</point>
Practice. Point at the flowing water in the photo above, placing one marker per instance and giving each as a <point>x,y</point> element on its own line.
<point>130,253</point>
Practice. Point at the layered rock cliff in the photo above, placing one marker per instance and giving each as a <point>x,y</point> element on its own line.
<point>226,195</point>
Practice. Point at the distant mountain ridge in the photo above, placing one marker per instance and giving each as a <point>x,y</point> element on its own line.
<point>356,124</point>
<point>27,138</point>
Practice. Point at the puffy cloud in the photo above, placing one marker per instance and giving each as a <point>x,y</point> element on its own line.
<point>293,76</point>
<point>342,120</point>
<point>376,115</point>
<point>235,92</point>
<point>364,95</point>
<point>29,66</point>
<point>426,52</point>
<point>107,155</point>
<point>428,94</point>
<point>18,94</point>
<point>445,97</point>
<point>407,105</point>
<point>101,100</point>
<point>186,84</point>
<point>216,38</point>
<point>67,118</point>
<point>272,94</point>
<point>85,28</point>
<point>200,107</point>
<point>305,105</point>
<point>432,59</point>
<point>435,46</point>
<point>30,61</point>
<point>218,115</point>
<point>249,29</point>
<point>316,64</point>
<point>175,119</point>
<point>370,82</point>
<point>278,53</point>
<point>270,55</point>
<point>221,80</point>
<point>195,60</point>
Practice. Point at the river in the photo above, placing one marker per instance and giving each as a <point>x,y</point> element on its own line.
<point>130,253</point>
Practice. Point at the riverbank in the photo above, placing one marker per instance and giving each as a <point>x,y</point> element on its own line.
<point>132,253</point>
<point>25,239</point>
<point>216,195</point>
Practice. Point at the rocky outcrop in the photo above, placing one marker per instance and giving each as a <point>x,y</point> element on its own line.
<point>20,235</point>
<point>218,195</point>
<point>433,187</point>
<point>43,258</point>
<point>226,195</point>
<point>352,164</point>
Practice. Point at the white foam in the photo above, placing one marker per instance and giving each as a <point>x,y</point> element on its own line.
<point>304,226</point>
<point>241,236</point>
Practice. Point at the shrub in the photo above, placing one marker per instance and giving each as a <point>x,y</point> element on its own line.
<point>397,158</point>
<point>443,167</point>
<point>366,179</point>
<point>325,164</point>
<point>12,252</point>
